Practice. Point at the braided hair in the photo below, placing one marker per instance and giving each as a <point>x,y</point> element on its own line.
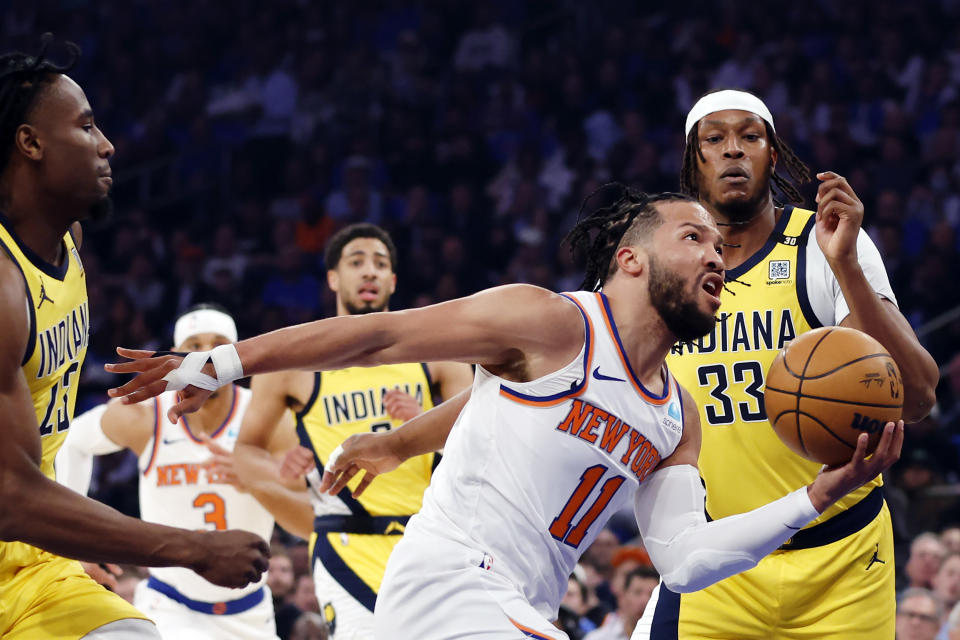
<point>627,220</point>
<point>798,172</point>
<point>22,78</point>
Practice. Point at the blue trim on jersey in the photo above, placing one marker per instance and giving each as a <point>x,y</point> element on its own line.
<point>803,296</point>
<point>355,507</point>
<point>683,417</point>
<point>586,366</point>
<point>51,270</point>
<point>233,405</point>
<point>156,434</point>
<point>626,359</point>
<point>666,617</point>
<point>32,332</point>
<point>765,250</point>
<point>338,569</point>
<point>229,608</point>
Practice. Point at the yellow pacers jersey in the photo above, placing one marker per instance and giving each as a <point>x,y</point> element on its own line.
<point>353,550</point>
<point>43,595</point>
<point>743,462</point>
<point>59,332</point>
<point>349,401</point>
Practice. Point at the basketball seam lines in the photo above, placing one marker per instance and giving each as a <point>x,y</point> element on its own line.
<point>804,376</point>
<point>800,385</point>
<point>825,399</point>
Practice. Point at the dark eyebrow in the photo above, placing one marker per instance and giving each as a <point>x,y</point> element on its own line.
<point>702,228</point>
<point>745,122</point>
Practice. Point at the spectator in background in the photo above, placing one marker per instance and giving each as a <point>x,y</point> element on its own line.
<point>919,614</point>
<point>926,554</point>
<point>946,582</point>
<point>309,626</point>
<point>951,628</point>
<point>572,618</point>
<point>950,538</point>
<point>638,585</point>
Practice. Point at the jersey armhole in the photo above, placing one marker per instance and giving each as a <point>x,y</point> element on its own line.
<point>31,313</point>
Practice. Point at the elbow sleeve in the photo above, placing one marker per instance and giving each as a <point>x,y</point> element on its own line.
<point>691,553</point>
<point>85,439</point>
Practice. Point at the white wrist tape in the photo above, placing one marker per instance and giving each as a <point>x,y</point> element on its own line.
<point>226,364</point>
<point>691,553</point>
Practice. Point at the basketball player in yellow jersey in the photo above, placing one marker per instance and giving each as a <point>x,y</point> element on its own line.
<point>788,270</point>
<point>55,171</point>
<point>353,537</point>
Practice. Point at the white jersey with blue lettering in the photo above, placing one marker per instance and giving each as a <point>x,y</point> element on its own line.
<point>178,487</point>
<point>531,472</point>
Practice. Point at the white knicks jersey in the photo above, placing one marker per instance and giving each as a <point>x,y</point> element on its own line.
<point>532,471</point>
<point>179,488</point>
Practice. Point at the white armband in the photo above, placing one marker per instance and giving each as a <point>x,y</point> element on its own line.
<point>226,364</point>
<point>691,553</point>
<point>85,439</point>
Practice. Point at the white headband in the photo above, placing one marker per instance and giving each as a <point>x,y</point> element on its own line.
<point>204,321</point>
<point>727,99</point>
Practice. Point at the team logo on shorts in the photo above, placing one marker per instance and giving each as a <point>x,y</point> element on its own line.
<point>330,617</point>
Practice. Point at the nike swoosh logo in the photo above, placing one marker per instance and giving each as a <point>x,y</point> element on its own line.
<point>174,441</point>
<point>600,376</point>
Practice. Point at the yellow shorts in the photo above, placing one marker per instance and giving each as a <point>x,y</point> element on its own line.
<point>53,598</point>
<point>844,589</point>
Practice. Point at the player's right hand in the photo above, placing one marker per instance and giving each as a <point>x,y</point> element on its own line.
<point>834,482</point>
<point>232,558</point>
<point>149,382</point>
<point>370,452</point>
<point>297,463</point>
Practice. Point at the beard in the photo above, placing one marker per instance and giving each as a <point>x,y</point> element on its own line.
<point>745,210</point>
<point>101,210</point>
<point>360,309</point>
<point>676,305</point>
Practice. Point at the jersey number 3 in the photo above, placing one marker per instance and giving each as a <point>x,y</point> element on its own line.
<point>217,514</point>
<point>562,527</point>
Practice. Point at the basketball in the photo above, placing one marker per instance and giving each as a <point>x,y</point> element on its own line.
<point>828,386</point>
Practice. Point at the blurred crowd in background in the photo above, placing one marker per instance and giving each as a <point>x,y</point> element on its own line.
<point>248,132</point>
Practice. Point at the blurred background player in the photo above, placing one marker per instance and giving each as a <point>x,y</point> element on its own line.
<point>789,270</point>
<point>354,536</point>
<point>54,172</point>
<point>182,484</point>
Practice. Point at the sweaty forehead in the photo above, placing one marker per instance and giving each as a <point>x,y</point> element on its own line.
<point>684,212</point>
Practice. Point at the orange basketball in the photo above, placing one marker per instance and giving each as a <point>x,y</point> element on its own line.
<point>828,386</point>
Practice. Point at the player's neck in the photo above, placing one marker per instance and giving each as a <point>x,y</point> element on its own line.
<point>39,220</point>
<point>743,240</point>
<point>213,412</point>
<point>643,333</point>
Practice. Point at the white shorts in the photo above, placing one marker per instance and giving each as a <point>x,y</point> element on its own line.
<point>436,589</point>
<point>175,621</point>
<point>347,617</point>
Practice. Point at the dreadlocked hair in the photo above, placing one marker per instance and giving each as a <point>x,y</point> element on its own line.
<point>626,220</point>
<point>799,172</point>
<point>22,78</point>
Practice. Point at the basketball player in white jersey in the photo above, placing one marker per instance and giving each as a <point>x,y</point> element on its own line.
<point>572,416</point>
<point>180,485</point>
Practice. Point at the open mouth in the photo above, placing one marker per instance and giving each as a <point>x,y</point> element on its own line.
<point>369,293</point>
<point>713,285</point>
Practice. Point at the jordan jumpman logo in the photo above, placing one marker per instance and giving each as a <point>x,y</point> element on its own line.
<point>43,295</point>
<point>875,559</point>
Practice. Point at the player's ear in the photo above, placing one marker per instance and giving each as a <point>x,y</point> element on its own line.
<point>773,158</point>
<point>28,142</point>
<point>631,259</point>
<point>393,284</point>
<point>333,280</point>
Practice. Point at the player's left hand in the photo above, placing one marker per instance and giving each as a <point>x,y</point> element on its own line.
<point>105,574</point>
<point>839,216</point>
<point>400,405</point>
<point>149,382</point>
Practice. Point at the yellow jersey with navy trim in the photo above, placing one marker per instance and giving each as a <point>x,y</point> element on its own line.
<point>765,304</point>
<point>349,401</point>
<point>59,334</point>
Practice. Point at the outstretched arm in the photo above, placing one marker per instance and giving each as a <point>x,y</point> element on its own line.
<point>519,331</point>
<point>377,453</point>
<point>57,519</point>
<point>839,216</point>
<point>691,553</point>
